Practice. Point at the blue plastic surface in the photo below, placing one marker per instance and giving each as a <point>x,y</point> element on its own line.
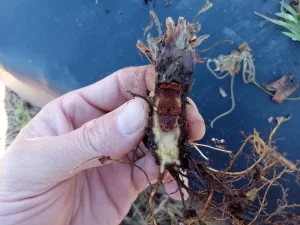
<point>64,45</point>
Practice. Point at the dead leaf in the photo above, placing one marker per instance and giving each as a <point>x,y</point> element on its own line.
<point>283,87</point>
<point>232,64</point>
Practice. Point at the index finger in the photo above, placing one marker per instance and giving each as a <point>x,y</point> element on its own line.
<point>111,92</point>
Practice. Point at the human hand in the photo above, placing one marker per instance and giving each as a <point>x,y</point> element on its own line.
<point>36,186</point>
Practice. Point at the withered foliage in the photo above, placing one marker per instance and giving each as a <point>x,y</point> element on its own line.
<point>283,87</point>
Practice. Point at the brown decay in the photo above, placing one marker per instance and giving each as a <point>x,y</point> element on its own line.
<point>169,106</point>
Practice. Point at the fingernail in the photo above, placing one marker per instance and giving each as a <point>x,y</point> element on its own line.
<point>131,117</point>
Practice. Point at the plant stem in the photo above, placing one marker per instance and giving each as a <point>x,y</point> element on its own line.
<point>232,104</point>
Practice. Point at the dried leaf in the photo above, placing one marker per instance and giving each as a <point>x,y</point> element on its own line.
<point>222,92</point>
<point>283,87</point>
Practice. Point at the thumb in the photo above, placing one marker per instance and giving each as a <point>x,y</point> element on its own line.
<point>114,135</point>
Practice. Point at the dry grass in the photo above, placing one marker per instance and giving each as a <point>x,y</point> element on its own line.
<point>19,113</point>
<point>165,208</point>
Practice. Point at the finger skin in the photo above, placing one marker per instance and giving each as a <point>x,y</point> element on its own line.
<point>195,122</point>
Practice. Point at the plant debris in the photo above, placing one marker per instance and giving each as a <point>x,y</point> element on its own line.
<point>230,65</point>
<point>247,205</point>
<point>242,59</point>
<point>166,208</point>
<point>222,92</point>
<point>283,87</point>
<point>221,193</point>
<point>290,20</point>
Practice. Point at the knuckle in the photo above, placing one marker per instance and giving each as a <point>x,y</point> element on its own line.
<point>68,105</point>
<point>68,101</point>
<point>90,135</point>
